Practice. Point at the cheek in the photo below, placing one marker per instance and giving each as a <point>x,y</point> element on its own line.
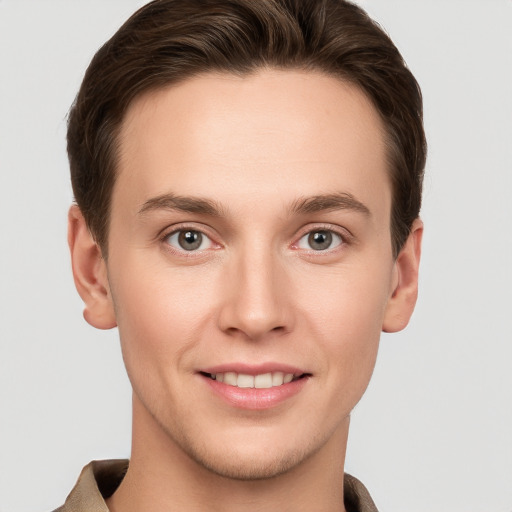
<point>345,309</point>
<point>160,315</point>
<point>347,301</point>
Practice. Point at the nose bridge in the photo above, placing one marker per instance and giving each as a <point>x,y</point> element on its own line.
<point>256,304</point>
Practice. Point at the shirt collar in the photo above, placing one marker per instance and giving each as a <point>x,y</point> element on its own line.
<point>100,478</point>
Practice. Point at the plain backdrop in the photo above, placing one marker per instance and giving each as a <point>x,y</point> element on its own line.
<point>433,432</point>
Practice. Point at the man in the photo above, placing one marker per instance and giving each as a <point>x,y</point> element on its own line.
<point>248,183</point>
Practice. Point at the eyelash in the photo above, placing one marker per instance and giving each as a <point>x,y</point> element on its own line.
<point>345,238</point>
<point>343,235</point>
<point>183,252</point>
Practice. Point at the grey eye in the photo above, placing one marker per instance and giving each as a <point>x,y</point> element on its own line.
<point>189,240</point>
<point>320,240</point>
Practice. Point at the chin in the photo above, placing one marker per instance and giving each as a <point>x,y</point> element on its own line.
<point>244,460</point>
<point>246,468</point>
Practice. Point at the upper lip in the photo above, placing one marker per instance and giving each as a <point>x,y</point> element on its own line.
<point>254,369</point>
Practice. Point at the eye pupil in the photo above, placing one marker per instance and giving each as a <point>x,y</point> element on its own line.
<point>190,240</point>
<point>320,240</point>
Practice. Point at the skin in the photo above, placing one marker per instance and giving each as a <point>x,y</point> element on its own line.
<point>256,148</point>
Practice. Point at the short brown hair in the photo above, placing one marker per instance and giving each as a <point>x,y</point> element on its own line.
<point>168,41</point>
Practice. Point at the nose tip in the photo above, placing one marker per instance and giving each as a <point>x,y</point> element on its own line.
<point>256,304</point>
<point>254,326</point>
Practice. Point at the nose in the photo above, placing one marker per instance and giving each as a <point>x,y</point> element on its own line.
<point>256,299</point>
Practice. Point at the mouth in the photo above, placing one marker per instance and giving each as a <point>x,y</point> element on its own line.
<point>260,381</point>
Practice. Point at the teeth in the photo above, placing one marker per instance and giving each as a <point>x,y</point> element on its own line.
<point>262,381</point>
<point>245,381</point>
<point>230,378</point>
<point>277,378</point>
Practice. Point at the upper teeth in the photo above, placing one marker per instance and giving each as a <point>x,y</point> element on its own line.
<point>264,380</point>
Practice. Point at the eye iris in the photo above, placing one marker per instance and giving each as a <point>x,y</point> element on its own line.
<point>320,240</point>
<point>190,240</point>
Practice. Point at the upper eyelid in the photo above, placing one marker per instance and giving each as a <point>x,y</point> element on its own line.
<point>344,233</point>
<point>206,230</point>
<point>166,233</point>
<point>185,226</point>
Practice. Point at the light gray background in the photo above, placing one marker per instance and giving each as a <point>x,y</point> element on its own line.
<point>434,430</point>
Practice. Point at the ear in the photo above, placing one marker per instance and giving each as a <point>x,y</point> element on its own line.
<point>405,282</point>
<point>89,273</point>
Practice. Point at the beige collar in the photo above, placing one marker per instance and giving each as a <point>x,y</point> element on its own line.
<point>100,478</point>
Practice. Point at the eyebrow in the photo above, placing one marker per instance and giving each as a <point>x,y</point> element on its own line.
<point>183,204</point>
<point>305,205</point>
<point>330,202</point>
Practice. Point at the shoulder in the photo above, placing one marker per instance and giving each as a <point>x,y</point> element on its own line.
<point>97,481</point>
<point>356,496</point>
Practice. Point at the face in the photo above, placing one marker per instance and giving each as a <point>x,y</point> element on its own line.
<point>250,264</point>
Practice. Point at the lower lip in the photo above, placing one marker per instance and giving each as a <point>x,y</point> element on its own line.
<point>256,398</point>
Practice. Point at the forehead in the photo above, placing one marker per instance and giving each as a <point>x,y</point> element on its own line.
<point>273,133</point>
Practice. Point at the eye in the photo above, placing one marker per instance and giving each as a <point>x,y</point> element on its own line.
<point>189,240</point>
<point>320,240</point>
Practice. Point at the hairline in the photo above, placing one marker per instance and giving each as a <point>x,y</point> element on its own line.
<point>215,71</point>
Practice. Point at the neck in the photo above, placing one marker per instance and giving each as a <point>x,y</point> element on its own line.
<point>161,477</point>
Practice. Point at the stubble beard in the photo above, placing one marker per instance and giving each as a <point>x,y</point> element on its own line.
<point>233,465</point>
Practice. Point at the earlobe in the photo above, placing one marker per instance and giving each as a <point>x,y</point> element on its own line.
<point>405,282</point>
<point>89,273</point>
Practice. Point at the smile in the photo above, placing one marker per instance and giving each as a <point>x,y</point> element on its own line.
<point>253,387</point>
<point>261,381</point>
